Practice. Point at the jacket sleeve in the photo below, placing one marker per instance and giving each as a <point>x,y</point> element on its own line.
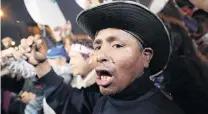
<point>20,67</point>
<point>63,99</point>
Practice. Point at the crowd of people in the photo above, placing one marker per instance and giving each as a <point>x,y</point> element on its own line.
<point>135,61</point>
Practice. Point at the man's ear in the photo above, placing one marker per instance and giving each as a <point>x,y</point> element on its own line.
<point>147,55</point>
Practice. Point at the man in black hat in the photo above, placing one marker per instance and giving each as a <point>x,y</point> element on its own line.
<point>131,44</point>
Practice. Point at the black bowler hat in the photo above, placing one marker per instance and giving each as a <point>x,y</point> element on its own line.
<point>134,18</point>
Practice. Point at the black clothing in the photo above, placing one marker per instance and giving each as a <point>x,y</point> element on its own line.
<point>11,84</point>
<point>139,97</point>
<point>187,85</point>
<point>186,78</point>
<point>16,106</point>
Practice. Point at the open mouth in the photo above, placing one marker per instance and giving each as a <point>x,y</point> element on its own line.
<point>104,78</point>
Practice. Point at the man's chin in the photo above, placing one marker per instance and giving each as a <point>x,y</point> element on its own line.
<point>75,74</point>
<point>107,90</point>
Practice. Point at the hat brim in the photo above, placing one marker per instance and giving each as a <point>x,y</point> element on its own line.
<point>135,18</point>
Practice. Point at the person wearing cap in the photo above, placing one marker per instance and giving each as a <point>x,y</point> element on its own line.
<point>131,44</point>
<point>57,58</point>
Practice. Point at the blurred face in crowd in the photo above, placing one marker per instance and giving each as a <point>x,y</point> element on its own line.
<point>61,67</point>
<point>121,59</point>
<point>81,65</point>
<point>57,61</point>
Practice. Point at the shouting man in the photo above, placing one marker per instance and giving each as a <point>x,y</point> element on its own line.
<point>131,44</point>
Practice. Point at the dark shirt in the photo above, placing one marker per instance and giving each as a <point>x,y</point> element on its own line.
<point>139,97</point>
<point>11,84</point>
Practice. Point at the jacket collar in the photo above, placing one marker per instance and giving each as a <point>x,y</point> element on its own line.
<point>137,88</point>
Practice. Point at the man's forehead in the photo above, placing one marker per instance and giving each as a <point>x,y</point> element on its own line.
<point>108,31</point>
<point>105,34</point>
<point>73,53</point>
<point>81,49</point>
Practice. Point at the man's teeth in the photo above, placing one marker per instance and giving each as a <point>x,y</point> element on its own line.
<point>104,77</point>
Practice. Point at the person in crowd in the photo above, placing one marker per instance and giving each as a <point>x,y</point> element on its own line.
<point>30,95</point>
<point>185,14</point>
<point>9,90</point>
<point>185,77</point>
<point>202,34</point>
<point>127,50</point>
<point>63,34</point>
<point>12,81</point>
<point>186,6</point>
<point>31,92</point>
<point>46,33</point>
<point>82,63</point>
<point>57,58</point>
<point>59,37</point>
<point>202,4</point>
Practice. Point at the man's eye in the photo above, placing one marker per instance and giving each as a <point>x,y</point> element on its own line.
<point>117,46</point>
<point>97,48</point>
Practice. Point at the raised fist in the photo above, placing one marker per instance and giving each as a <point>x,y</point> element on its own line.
<point>26,97</point>
<point>32,49</point>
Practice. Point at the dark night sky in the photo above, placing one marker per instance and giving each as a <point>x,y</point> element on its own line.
<point>15,10</point>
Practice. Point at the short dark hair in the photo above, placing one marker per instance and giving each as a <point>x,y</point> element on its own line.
<point>85,42</point>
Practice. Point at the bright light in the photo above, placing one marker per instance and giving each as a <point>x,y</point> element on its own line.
<point>1,13</point>
<point>13,43</point>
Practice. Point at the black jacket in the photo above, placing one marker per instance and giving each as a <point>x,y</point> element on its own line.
<point>186,83</point>
<point>140,97</point>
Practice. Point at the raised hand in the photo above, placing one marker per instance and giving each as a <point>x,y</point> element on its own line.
<point>61,32</point>
<point>26,97</point>
<point>33,50</point>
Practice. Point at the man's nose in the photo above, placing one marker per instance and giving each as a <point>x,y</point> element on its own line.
<point>101,57</point>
